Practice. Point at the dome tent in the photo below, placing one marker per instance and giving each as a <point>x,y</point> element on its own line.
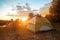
<point>39,24</point>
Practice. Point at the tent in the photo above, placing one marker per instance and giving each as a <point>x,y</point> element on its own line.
<point>39,24</point>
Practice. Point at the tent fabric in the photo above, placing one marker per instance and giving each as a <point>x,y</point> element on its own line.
<point>31,27</point>
<point>39,24</point>
<point>32,20</point>
<point>44,28</point>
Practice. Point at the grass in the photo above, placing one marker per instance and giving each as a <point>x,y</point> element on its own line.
<point>12,33</point>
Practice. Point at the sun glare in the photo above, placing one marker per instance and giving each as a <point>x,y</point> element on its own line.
<point>24,19</point>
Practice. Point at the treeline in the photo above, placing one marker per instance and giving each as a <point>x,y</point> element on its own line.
<point>4,22</point>
<point>54,11</point>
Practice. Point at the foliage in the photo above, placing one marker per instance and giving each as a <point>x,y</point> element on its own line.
<point>30,15</point>
<point>55,10</point>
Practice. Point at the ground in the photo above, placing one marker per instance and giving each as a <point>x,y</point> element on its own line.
<point>12,33</point>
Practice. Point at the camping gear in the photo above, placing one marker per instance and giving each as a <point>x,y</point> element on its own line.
<point>39,24</point>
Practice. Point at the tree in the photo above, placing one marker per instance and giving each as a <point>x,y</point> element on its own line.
<point>30,15</point>
<point>55,10</point>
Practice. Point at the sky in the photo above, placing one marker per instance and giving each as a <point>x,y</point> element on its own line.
<point>7,5</point>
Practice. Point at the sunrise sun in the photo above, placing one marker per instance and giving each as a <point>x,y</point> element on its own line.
<point>24,19</point>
